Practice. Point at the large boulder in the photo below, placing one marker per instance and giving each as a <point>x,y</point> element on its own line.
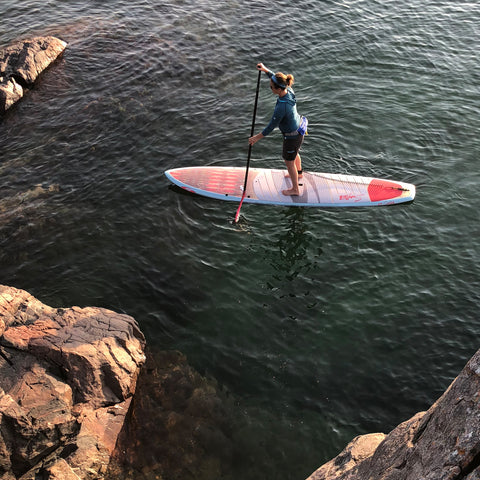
<point>22,62</point>
<point>67,377</point>
<point>440,444</point>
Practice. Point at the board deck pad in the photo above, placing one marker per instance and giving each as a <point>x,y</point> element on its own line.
<point>265,186</point>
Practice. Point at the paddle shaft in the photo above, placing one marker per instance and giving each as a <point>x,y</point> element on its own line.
<point>252,131</point>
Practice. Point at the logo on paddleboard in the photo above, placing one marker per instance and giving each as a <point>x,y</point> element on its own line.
<point>356,198</point>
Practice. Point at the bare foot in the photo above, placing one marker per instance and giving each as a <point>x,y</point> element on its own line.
<point>291,192</point>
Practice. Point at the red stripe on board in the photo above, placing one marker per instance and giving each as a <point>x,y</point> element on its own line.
<point>379,190</point>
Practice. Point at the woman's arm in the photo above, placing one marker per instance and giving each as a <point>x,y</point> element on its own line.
<point>273,123</point>
<point>263,68</point>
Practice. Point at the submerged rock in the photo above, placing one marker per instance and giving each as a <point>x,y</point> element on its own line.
<point>67,377</point>
<point>440,444</point>
<point>179,427</point>
<point>22,62</point>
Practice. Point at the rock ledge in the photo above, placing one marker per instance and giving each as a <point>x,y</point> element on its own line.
<point>67,377</point>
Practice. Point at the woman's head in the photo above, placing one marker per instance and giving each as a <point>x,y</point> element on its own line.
<point>280,81</point>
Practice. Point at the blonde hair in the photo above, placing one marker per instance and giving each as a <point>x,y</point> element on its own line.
<point>282,79</point>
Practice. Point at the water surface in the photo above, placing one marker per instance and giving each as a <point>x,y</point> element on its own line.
<point>321,324</point>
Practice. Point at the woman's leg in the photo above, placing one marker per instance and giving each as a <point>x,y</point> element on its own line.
<point>292,171</point>
<point>291,147</point>
<point>298,164</point>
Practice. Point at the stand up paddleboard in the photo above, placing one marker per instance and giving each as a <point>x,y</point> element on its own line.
<point>265,186</point>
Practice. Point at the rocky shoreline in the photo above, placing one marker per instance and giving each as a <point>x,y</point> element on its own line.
<point>81,399</point>
<point>66,384</point>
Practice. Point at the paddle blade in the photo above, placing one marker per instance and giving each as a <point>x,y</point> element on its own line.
<point>237,215</point>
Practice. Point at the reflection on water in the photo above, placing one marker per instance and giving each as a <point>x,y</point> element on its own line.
<point>294,252</point>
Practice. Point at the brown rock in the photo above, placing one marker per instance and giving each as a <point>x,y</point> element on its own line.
<point>61,471</point>
<point>355,452</point>
<point>440,444</point>
<point>10,93</point>
<point>67,377</point>
<point>22,62</point>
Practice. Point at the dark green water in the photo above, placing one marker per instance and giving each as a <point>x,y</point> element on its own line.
<point>322,324</point>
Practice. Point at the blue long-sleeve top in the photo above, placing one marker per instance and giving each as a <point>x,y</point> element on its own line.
<point>285,115</point>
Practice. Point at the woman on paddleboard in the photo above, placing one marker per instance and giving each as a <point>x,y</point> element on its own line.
<point>292,126</point>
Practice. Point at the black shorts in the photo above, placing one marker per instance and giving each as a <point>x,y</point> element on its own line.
<point>291,147</point>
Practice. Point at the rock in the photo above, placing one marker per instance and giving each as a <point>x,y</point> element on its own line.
<point>67,377</point>
<point>10,93</point>
<point>355,452</point>
<point>440,444</point>
<point>22,62</point>
<point>23,212</point>
<point>61,471</point>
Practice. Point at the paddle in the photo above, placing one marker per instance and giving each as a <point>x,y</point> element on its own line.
<point>237,215</point>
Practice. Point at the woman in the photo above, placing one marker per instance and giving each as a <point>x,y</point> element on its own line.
<point>286,118</point>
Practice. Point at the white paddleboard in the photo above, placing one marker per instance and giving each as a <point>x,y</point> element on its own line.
<point>265,186</point>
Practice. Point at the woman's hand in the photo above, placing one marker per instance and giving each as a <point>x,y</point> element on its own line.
<point>253,140</point>
<point>262,67</point>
